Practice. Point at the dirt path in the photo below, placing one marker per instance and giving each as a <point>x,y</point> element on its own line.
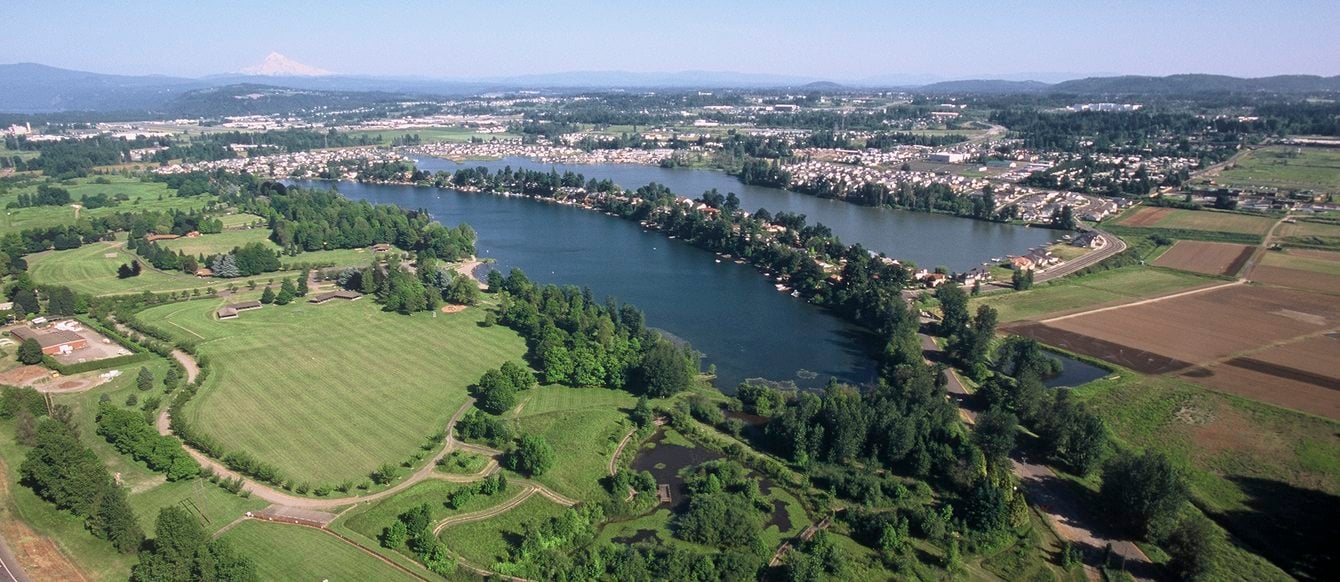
<point>614,459</point>
<point>187,362</point>
<point>527,491</point>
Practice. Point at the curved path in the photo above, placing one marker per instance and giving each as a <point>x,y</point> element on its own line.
<point>527,491</point>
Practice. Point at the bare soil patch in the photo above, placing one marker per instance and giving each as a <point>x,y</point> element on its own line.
<point>453,308</point>
<point>1209,258</point>
<point>1269,388</point>
<point>1296,278</point>
<point>1146,217</point>
<point>23,375</point>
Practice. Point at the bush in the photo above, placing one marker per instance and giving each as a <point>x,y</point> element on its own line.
<point>532,456</point>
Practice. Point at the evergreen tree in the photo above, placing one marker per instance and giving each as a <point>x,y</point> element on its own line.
<point>30,352</point>
<point>267,296</point>
<point>145,379</point>
<point>302,283</point>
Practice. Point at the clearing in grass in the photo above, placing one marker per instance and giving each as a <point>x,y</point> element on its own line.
<point>290,552</point>
<point>328,393</point>
<point>369,520</point>
<point>142,196</point>
<point>226,241</point>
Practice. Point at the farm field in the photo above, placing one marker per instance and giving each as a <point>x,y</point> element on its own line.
<point>290,384</point>
<point>1201,220</point>
<point>584,425</point>
<point>1072,293</point>
<point>484,543</point>
<point>289,552</point>
<point>91,269</point>
<point>1268,475</point>
<point>1153,338</point>
<point>1314,270</point>
<point>1207,258</point>
<point>1310,233</point>
<point>1286,168</point>
<point>143,196</point>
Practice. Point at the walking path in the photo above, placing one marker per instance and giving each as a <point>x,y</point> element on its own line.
<point>526,492</point>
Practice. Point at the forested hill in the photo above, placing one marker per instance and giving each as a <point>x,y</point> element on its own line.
<point>1184,84</point>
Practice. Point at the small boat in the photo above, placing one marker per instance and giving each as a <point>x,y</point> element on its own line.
<point>718,260</point>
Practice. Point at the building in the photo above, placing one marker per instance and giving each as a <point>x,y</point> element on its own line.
<point>381,247</point>
<point>948,157</point>
<point>55,342</point>
<point>204,272</point>
<point>226,313</point>
<point>244,306</point>
<point>154,237</point>
<point>332,295</point>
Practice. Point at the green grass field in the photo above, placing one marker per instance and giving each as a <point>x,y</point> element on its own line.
<point>485,543</point>
<point>143,196</point>
<point>584,425</point>
<point>288,552</point>
<point>369,520</point>
<point>1216,221</point>
<point>226,241</point>
<point>330,392</point>
<point>1269,475</point>
<point>239,220</point>
<point>1288,260</point>
<point>1285,167</point>
<point>1070,293</point>
<point>91,269</point>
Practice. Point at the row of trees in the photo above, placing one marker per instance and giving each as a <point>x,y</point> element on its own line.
<point>132,434</point>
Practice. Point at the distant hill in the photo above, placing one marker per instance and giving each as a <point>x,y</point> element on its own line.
<point>1191,84</point>
<point>984,86</point>
<point>34,88</point>
<point>254,99</point>
<point>277,65</point>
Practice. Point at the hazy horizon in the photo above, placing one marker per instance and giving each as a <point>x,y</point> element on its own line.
<point>858,41</point>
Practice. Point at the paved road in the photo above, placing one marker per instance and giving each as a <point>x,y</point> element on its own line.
<point>1113,245</point>
<point>10,571</point>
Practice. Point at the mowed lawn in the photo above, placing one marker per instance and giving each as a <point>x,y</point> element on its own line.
<point>1286,167</point>
<point>584,425</point>
<point>328,393</point>
<point>226,241</point>
<point>290,552</point>
<point>143,196</point>
<point>91,269</point>
<point>1071,293</point>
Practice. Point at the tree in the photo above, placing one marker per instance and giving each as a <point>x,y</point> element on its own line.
<point>181,550</point>
<point>30,352</point>
<point>301,290</point>
<point>1192,544</point>
<point>62,301</point>
<point>494,280</point>
<point>462,290</point>
<point>665,370</point>
<point>1064,219</point>
<point>171,378</point>
<point>496,392</point>
<point>954,307</point>
<point>995,433</point>
<point>124,272</point>
<point>145,379</point>
<point>532,456</point>
<point>268,296</point>
<point>642,413</point>
<point>1143,493</point>
<point>27,300</point>
<point>519,375</point>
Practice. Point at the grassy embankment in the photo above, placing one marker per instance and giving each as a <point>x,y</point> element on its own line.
<point>330,392</point>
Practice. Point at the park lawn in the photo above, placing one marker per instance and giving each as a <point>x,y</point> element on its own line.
<point>1288,260</point>
<point>220,243</point>
<point>1284,167</point>
<point>1072,293</point>
<point>1268,475</point>
<point>584,426</point>
<point>143,196</point>
<point>288,552</point>
<point>328,393</point>
<point>203,499</point>
<point>91,269</point>
<point>239,220</point>
<point>485,543</point>
<point>369,520</point>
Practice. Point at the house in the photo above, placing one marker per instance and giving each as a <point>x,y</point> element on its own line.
<point>1021,263</point>
<point>193,234</point>
<point>244,306</point>
<point>331,295</point>
<point>1087,240</point>
<point>204,272</point>
<point>226,313</point>
<point>53,342</point>
<point>381,247</point>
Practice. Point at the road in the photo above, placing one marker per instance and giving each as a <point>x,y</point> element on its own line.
<point>9,565</point>
<point>1111,247</point>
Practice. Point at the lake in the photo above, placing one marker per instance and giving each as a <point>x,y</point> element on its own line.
<point>929,240</point>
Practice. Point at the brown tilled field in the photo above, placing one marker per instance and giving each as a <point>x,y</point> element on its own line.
<point>1296,278</point>
<point>1222,338</point>
<point>1206,257</point>
<point>1146,217</point>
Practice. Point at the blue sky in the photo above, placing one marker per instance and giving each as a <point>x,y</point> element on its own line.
<point>824,39</point>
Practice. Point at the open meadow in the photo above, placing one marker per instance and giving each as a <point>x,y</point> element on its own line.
<point>226,241</point>
<point>584,425</point>
<point>1285,168</point>
<point>142,196</point>
<point>330,392</point>
<point>1075,293</point>
<point>290,552</point>
<point>484,543</point>
<point>91,269</point>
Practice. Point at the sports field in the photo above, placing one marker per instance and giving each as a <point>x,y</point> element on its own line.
<point>289,552</point>
<point>584,425</point>
<point>91,269</point>
<point>1287,168</point>
<point>1072,293</point>
<point>143,196</point>
<point>330,392</point>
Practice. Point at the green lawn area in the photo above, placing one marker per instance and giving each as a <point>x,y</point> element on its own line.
<point>287,552</point>
<point>1285,167</point>
<point>584,425</point>
<point>1269,475</point>
<point>1070,293</point>
<point>239,220</point>
<point>1216,221</point>
<point>369,520</point>
<point>215,244</point>
<point>436,134</point>
<point>91,269</point>
<point>143,196</point>
<point>330,392</point>
<point>485,543</point>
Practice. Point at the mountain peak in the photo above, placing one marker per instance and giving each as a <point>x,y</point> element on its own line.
<point>277,65</point>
